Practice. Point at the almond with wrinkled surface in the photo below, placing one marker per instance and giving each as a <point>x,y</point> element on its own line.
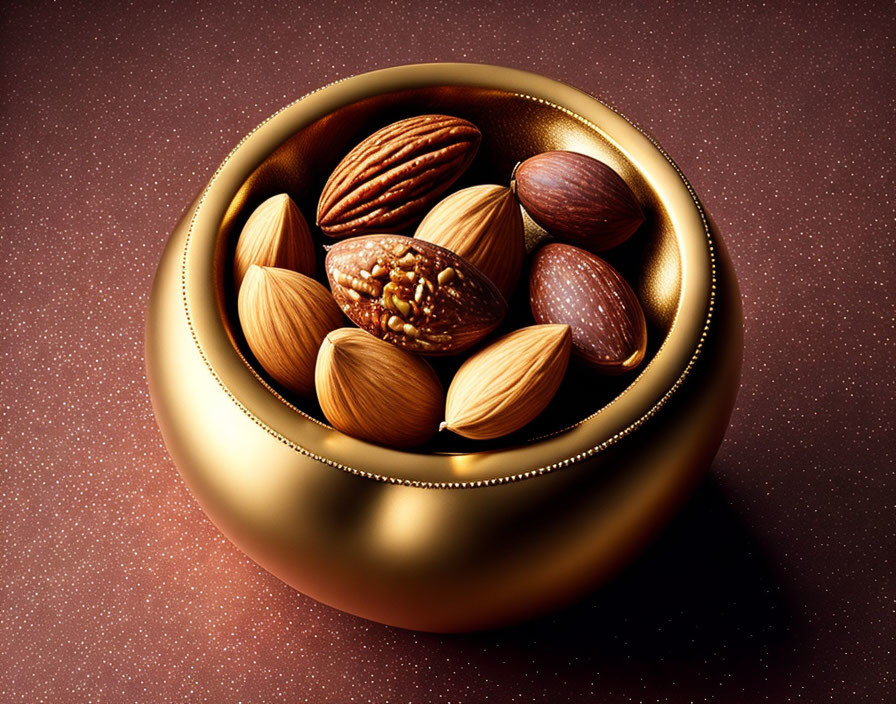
<point>506,385</point>
<point>275,235</point>
<point>374,391</point>
<point>387,182</point>
<point>484,225</point>
<point>284,316</point>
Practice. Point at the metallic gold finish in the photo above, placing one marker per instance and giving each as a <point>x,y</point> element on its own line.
<point>445,541</point>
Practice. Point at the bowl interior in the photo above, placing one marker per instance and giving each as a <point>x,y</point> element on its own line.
<point>514,127</point>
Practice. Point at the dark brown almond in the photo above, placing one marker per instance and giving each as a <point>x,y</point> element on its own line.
<point>414,294</point>
<point>570,286</point>
<point>577,198</point>
<point>389,180</point>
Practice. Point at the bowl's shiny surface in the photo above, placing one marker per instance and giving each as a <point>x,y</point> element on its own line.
<point>445,538</point>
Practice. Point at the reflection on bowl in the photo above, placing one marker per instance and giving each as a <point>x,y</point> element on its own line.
<point>457,535</point>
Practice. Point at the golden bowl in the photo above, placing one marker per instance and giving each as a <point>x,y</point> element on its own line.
<point>453,537</point>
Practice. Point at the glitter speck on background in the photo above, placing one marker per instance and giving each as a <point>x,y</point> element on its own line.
<point>774,584</point>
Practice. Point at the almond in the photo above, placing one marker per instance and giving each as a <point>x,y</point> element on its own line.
<point>285,316</point>
<point>390,179</point>
<point>506,385</point>
<point>570,286</point>
<point>374,391</point>
<point>275,235</point>
<point>484,225</point>
<point>414,294</point>
<point>577,198</point>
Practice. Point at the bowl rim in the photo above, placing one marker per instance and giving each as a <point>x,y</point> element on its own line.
<point>642,398</point>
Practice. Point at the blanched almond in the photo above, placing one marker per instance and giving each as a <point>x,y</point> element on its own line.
<point>275,235</point>
<point>375,391</point>
<point>285,316</point>
<point>506,385</point>
<point>484,225</point>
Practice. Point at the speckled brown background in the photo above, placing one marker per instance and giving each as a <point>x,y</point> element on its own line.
<point>775,583</point>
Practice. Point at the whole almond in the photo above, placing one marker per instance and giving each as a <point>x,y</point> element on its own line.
<point>374,391</point>
<point>506,385</point>
<point>275,235</point>
<point>570,286</point>
<point>484,225</point>
<point>284,316</point>
<point>414,294</point>
<point>391,178</point>
<point>577,198</point>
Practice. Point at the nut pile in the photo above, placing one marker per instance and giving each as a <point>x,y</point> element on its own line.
<point>441,292</point>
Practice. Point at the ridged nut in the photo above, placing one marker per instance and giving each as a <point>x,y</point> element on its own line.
<point>390,179</point>
<point>484,225</point>
<point>376,392</point>
<point>284,316</point>
<point>504,386</point>
<point>275,235</point>
<point>570,286</point>
<point>578,199</point>
<point>413,294</point>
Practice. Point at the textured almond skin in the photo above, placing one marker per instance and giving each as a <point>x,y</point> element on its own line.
<point>285,316</point>
<point>277,235</point>
<point>578,199</point>
<point>484,225</point>
<point>390,179</point>
<point>568,285</point>
<point>374,391</point>
<point>413,294</point>
<point>506,385</point>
